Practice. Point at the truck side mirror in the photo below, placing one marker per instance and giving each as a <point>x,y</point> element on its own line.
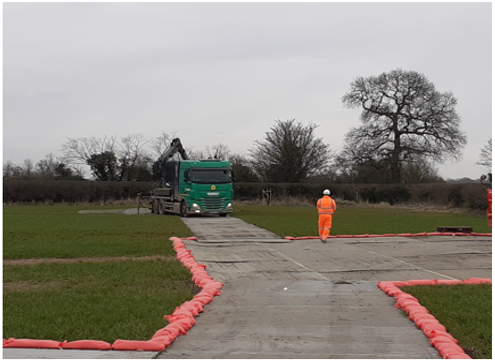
<point>186,176</point>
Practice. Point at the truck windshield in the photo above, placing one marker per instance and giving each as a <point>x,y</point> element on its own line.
<point>211,176</point>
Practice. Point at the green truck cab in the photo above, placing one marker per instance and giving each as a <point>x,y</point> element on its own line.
<point>205,187</point>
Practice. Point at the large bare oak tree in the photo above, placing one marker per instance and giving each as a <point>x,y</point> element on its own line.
<point>403,119</point>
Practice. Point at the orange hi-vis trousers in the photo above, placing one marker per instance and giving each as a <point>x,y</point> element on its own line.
<point>325,225</point>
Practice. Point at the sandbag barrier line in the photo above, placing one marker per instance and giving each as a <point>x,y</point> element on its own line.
<point>446,345</point>
<point>180,321</point>
<point>394,235</point>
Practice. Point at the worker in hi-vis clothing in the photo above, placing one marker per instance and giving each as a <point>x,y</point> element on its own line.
<point>326,206</point>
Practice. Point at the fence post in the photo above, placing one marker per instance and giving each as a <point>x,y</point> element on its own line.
<point>267,194</point>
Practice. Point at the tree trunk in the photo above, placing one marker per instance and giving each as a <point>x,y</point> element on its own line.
<point>395,158</point>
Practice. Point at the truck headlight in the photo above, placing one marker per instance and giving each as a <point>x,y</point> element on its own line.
<point>229,205</point>
<point>195,206</point>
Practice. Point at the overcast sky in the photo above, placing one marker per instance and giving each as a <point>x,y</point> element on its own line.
<point>224,72</point>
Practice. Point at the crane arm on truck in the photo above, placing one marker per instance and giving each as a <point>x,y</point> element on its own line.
<point>175,147</point>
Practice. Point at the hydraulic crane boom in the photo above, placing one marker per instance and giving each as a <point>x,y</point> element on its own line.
<point>175,146</point>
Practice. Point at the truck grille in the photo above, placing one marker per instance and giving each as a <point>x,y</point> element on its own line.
<point>213,203</point>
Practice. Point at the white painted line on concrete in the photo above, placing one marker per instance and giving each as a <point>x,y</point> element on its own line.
<point>295,262</point>
<point>410,264</point>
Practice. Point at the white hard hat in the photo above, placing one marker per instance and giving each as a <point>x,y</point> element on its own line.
<point>326,192</point>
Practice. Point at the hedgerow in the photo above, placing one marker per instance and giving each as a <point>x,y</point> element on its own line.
<point>465,195</point>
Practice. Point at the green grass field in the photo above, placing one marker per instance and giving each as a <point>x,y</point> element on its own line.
<point>303,221</point>
<point>100,301</point>
<point>122,298</point>
<point>466,312</point>
<point>113,299</point>
<point>59,231</point>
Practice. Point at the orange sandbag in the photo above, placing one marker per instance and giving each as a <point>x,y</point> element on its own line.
<point>446,282</point>
<point>29,343</point>
<point>176,327</point>
<point>420,282</point>
<point>416,311</point>
<point>164,340</point>
<point>429,327</point>
<point>178,317</point>
<point>474,281</point>
<point>86,345</point>
<point>447,350</point>
<point>126,345</point>
<point>178,313</point>
<point>185,323</point>
<point>445,334</point>
<point>457,356</point>
<point>203,299</point>
<point>405,296</point>
<point>162,333</point>
<point>211,289</point>
<point>406,304</point>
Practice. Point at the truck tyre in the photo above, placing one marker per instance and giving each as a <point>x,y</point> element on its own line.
<point>183,209</point>
<point>223,214</point>
<point>153,206</point>
<point>160,207</point>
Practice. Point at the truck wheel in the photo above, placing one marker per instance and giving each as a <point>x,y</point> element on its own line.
<point>223,214</point>
<point>183,209</point>
<point>153,206</point>
<point>160,207</point>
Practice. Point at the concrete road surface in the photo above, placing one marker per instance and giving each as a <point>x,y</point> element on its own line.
<point>305,299</point>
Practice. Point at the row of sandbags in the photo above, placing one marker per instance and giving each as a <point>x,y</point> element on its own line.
<point>395,235</point>
<point>443,341</point>
<point>180,321</point>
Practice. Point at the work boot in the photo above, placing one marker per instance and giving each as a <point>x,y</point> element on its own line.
<point>323,240</point>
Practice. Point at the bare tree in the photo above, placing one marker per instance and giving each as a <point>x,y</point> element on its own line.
<point>486,155</point>
<point>404,117</point>
<point>78,151</point>
<point>48,168</point>
<point>218,151</point>
<point>10,170</point>
<point>110,158</point>
<point>290,152</point>
<point>161,143</point>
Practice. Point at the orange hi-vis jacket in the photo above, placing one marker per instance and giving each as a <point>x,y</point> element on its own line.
<point>326,205</point>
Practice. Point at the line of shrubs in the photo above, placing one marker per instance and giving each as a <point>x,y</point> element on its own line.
<point>467,195</point>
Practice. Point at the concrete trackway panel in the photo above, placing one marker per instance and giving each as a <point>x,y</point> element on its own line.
<point>311,319</point>
<point>30,353</point>
<point>305,299</point>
